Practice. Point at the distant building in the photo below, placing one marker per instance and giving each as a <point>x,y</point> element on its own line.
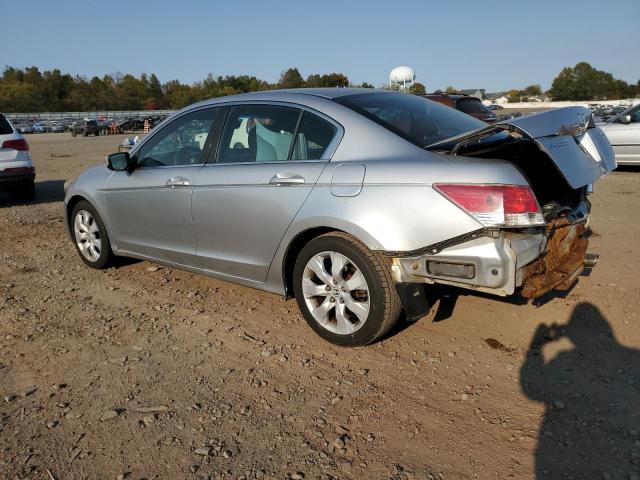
<point>473,92</point>
<point>499,98</point>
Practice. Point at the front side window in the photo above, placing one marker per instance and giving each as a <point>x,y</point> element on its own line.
<point>312,138</point>
<point>258,133</point>
<point>180,142</point>
<point>416,119</point>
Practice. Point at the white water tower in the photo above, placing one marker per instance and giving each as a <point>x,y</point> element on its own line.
<point>402,75</point>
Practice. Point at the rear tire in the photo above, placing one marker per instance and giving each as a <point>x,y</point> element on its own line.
<point>352,301</point>
<point>25,192</point>
<point>85,133</point>
<point>73,133</point>
<point>90,236</point>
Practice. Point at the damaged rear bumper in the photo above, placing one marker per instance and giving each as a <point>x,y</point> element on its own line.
<point>501,262</point>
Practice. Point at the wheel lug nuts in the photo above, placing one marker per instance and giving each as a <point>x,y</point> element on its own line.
<point>342,300</point>
<point>327,288</point>
<point>332,300</point>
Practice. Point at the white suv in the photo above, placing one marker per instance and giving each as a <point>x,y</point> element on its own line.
<point>17,174</point>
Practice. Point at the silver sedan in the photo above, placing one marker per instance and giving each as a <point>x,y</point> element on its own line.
<point>353,201</point>
<point>623,132</point>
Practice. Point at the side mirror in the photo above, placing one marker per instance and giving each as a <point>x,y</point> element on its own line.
<point>625,119</point>
<point>119,162</point>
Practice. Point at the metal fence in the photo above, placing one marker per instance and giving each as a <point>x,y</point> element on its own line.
<point>82,115</point>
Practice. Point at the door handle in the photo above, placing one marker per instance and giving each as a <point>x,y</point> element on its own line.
<point>177,182</point>
<point>286,179</point>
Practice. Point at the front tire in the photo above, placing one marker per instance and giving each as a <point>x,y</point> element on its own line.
<point>90,236</point>
<point>344,290</point>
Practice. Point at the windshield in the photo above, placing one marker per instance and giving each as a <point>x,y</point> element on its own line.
<point>421,121</point>
<point>470,106</point>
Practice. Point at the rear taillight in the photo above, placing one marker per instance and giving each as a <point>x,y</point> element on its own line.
<point>496,205</point>
<point>19,170</point>
<point>19,144</point>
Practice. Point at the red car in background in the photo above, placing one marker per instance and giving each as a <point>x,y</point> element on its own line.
<point>470,105</point>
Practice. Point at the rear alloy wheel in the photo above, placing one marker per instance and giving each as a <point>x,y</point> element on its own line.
<point>344,290</point>
<point>90,235</point>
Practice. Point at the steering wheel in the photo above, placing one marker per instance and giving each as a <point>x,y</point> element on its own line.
<point>188,155</point>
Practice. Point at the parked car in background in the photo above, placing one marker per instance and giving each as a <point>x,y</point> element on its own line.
<point>495,106</point>
<point>470,105</point>
<point>85,128</point>
<point>17,173</point>
<point>57,127</point>
<point>623,132</point>
<point>41,127</point>
<point>353,201</point>
<point>26,128</point>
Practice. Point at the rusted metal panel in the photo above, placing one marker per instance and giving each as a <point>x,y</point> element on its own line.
<point>562,260</point>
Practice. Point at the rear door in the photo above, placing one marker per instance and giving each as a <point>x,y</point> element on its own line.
<point>150,208</point>
<point>268,160</point>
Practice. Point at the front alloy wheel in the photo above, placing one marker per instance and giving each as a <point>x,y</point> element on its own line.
<point>344,290</point>
<point>90,235</point>
<point>87,235</point>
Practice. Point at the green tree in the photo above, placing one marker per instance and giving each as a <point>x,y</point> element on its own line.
<point>291,78</point>
<point>532,90</point>
<point>583,82</point>
<point>418,88</point>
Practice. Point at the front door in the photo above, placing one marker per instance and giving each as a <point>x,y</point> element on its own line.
<point>268,161</point>
<point>150,208</point>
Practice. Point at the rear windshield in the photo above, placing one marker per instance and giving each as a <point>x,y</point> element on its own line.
<point>468,105</point>
<point>421,121</point>
<point>5,126</point>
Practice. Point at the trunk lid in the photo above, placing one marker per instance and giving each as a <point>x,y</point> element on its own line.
<point>568,136</point>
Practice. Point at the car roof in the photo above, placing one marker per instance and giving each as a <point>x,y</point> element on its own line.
<point>289,94</point>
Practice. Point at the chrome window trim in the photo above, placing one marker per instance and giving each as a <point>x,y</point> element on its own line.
<point>171,166</point>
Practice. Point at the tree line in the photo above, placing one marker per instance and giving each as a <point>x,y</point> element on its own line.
<point>30,90</point>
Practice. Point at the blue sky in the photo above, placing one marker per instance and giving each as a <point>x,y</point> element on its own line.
<point>492,44</point>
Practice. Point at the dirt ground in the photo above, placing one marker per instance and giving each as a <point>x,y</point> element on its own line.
<point>142,371</point>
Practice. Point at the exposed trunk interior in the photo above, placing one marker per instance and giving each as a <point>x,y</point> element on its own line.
<point>548,184</point>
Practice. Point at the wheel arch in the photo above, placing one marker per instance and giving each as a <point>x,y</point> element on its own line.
<point>69,206</point>
<point>293,249</point>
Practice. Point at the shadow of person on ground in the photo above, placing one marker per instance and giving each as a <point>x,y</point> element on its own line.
<point>591,392</point>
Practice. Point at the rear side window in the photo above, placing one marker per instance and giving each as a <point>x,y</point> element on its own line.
<point>467,105</point>
<point>416,119</point>
<point>258,133</point>
<point>313,137</point>
<point>5,126</point>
